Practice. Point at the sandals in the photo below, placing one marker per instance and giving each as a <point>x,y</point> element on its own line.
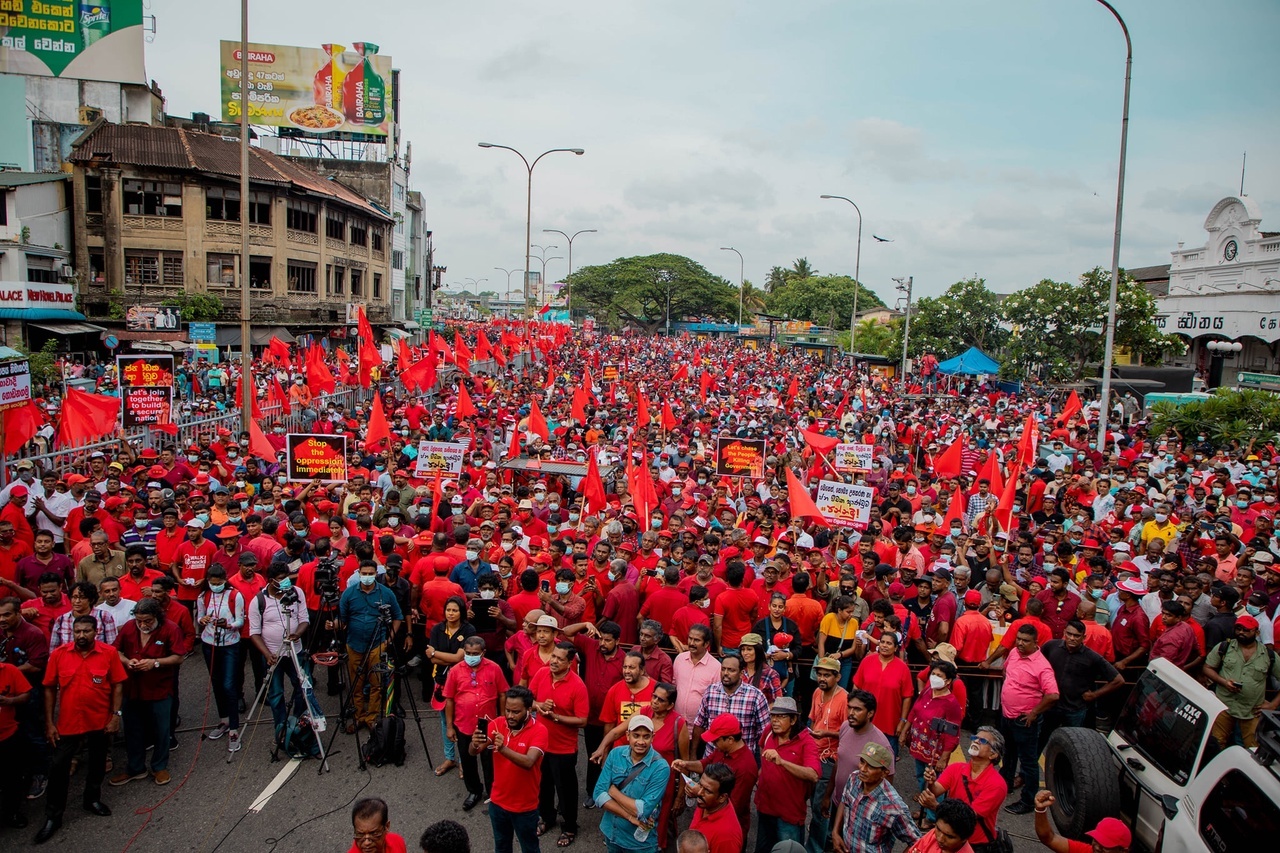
<point>445,768</point>
<point>566,838</point>
<point>542,829</point>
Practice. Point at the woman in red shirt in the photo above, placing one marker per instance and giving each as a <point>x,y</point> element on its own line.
<point>886,676</point>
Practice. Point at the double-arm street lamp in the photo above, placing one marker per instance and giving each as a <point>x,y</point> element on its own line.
<point>857,269</point>
<point>509,274</point>
<point>528,208</point>
<point>570,272</point>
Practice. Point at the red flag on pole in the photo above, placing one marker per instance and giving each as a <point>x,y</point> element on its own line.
<point>86,417</point>
<point>799,502</point>
<point>1071,408</point>
<point>1029,444</point>
<point>1008,495</point>
<point>947,463</point>
<point>378,430</point>
<point>642,411</point>
<point>669,420</point>
<point>593,486</point>
<point>258,444</point>
<point>537,423</point>
<point>955,509</point>
<point>464,407</point>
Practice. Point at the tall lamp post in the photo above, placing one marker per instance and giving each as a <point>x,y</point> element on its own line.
<point>742,276</point>
<point>905,285</point>
<point>246,344</point>
<point>1109,351</point>
<point>509,273</point>
<point>857,270</point>
<point>528,204</point>
<point>542,256</point>
<point>570,272</point>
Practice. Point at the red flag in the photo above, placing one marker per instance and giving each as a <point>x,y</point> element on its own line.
<point>378,430</point>
<point>578,409</point>
<point>1029,444</point>
<point>319,377</point>
<point>464,407</point>
<point>1071,408</point>
<point>513,450</point>
<point>1008,495</point>
<point>403,357</point>
<point>86,417</point>
<point>990,471</point>
<point>799,502</point>
<point>537,423</point>
<point>593,486</point>
<point>792,390</point>
<point>818,441</point>
<point>369,357</point>
<point>947,463</point>
<point>484,350</point>
<point>258,444</point>
<point>682,373</point>
<point>955,509</point>
<point>421,374</point>
<point>668,417</point>
<point>704,382</point>
<point>20,426</point>
<point>461,352</point>
<point>277,397</point>
<point>278,350</point>
<point>239,398</point>
<point>362,325</point>
<point>642,411</point>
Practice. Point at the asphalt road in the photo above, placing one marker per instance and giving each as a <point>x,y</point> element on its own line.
<point>209,804</point>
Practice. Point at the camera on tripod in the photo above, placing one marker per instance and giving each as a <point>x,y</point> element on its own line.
<point>326,579</point>
<point>289,597</point>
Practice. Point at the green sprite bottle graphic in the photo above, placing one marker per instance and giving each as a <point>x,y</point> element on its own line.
<point>95,21</point>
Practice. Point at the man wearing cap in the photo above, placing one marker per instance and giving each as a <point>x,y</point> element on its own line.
<point>827,712</point>
<point>789,768</point>
<point>15,512</point>
<point>1238,669</point>
<point>630,788</point>
<point>872,815</point>
<point>190,562</point>
<point>1130,628</point>
<point>1109,836</point>
<point>728,748</point>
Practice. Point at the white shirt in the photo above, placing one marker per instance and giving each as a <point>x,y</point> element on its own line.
<point>228,605</point>
<point>35,489</point>
<point>276,621</point>
<point>121,613</point>
<point>60,504</point>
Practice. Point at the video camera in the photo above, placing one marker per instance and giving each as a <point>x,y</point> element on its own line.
<point>326,580</point>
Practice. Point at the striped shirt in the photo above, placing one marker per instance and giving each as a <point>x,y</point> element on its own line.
<point>874,821</point>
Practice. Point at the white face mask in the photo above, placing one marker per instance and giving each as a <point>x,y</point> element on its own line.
<point>508,546</point>
<point>472,556</point>
<point>937,682</point>
<point>486,594</point>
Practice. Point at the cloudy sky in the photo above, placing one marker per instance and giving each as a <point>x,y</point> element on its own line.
<point>981,136</point>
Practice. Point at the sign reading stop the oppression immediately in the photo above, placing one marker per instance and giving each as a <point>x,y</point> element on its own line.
<point>146,389</point>
<point>848,457</point>
<point>311,457</point>
<point>610,372</point>
<point>740,457</point>
<point>433,456</point>
<point>844,504</point>
<point>15,384</point>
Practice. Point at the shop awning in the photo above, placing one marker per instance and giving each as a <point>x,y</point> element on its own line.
<point>32,314</point>
<point>70,328</point>
<point>411,326</point>
<point>229,335</point>
<point>397,333</point>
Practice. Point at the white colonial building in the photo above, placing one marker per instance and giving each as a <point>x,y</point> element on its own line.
<point>1227,290</point>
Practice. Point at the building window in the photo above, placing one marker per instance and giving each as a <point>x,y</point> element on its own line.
<point>97,266</point>
<point>377,239</point>
<point>224,205</point>
<point>302,276</point>
<point>397,259</point>
<point>335,226</point>
<point>301,216</point>
<point>92,194</point>
<point>335,280</point>
<point>152,198</point>
<point>153,268</point>
<point>41,274</point>
<point>357,283</point>
<point>359,234</point>
<point>221,269</point>
<point>260,272</point>
<point>377,285</point>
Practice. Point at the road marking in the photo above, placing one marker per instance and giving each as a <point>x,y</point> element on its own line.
<point>276,784</point>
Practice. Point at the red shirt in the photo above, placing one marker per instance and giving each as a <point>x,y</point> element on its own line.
<point>522,603</point>
<point>721,827</point>
<point>985,794</point>
<point>737,608</point>
<point>85,683</point>
<point>620,703</point>
<point>12,683</point>
<point>807,614</point>
<point>192,561</point>
<point>1129,630</point>
<point>602,673</point>
<point>474,692</point>
<point>745,770</point>
<point>1043,632</point>
<point>166,640</point>
<point>569,696</point>
<point>10,555</point>
<point>663,605</point>
<point>890,685</point>
<point>972,635</point>
<point>167,543</point>
<point>435,593</point>
<point>46,613</point>
<point>514,788</point>
<point>136,589</point>
<point>686,617</point>
<point>395,844</point>
<point>715,587</point>
<point>779,793</point>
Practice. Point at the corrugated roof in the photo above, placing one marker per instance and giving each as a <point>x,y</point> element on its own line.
<point>179,149</point>
<point>1152,273</point>
<point>23,179</point>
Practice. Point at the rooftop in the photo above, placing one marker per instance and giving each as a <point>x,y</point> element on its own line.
<point>12,179</point>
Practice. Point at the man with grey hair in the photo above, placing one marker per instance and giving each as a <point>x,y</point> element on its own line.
<point>657,663</point>
<point>102,562</point>
<point>976,781</point>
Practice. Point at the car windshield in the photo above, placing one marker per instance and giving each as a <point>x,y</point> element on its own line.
<point>1163,725</point>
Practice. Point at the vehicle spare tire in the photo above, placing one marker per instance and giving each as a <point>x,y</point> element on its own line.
<point>1080,770</point>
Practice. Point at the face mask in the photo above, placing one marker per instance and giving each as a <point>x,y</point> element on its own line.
<point>508,546</point>
<point>368,580</point>
<point>1253,609</point>
<point>1217,491</point>
<point>1096,593</point>
<point>573,516</point>
<point>656,521</point>
<point>191,457</point>
<point>842,554</point>
<point>675,491</point>
<point>704,603</point>
<point>487,594</point>
<point>911,490</point>
<point>937,682</point>
<point>563,588</point>
<point>472,556</point>
<point>262,507</point>
<point>217,587</point>
<point>473,660</point>
<point>1242,504</point>
<point>1161,517</point>
<point>955,531</point>
<point>141,524</point>
<point>702,481</point>
<point>202,517</point>
<point>285,585</point>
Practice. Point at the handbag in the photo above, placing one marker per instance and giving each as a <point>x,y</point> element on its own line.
<point>1000,841</point>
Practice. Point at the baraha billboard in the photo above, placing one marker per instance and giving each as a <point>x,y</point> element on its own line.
<point>80,40</point>
<point>330,89</point>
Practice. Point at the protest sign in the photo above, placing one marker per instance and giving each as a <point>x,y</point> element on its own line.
<point>740,457</point>
<point>610,372</point>
<point>844,504</point>
<point>848,457</point>
<point>316,456</point>
<point>442,456</point>
<point>146,389</point>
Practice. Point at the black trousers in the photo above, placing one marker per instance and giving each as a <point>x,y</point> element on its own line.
<point>559,779</point>
<point>471,768</point>
<point>60,770</point>
<point>593,735</point>
<point>15,780</point>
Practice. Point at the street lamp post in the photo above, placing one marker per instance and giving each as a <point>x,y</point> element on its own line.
<point>742,277</point>
<point>905,285</point>
<point>570,272</point>
<point>542,256</point>
<point>1109,351</point>
<point>528,205</point>
<point>509,273</point>
<point>857,270</point>
<point>246,344</point>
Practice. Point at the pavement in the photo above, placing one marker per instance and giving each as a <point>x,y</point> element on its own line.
<point>254,804</point>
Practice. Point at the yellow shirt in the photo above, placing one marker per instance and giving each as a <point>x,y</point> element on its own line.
<point>1155,530</point>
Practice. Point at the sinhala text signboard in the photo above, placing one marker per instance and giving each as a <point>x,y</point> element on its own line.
<point>69,38</point>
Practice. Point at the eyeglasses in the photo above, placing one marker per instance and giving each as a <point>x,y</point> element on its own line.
<point>981,740</point>
<point>370,836</point>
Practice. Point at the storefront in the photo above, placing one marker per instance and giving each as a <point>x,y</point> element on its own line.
<point>32,313</point>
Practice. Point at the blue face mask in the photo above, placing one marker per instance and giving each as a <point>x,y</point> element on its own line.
<point>563,588</point>
<point>473,660</point>
<point>285,585</point>
<point>262,507</point>
<point>202,517</point>
<point>217,587</point>
<point>368,580</point>
<point>842,554</point>
<point>1253,609</point>
<point>1096,593</point>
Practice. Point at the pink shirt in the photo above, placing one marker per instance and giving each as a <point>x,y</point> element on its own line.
<point>692,680</point>
<point>1027,679</point>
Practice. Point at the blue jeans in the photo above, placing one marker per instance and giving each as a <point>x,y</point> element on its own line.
<point>920,766</point>
<point>275,693</point>
<point>770,829</point>
<point>143,717</point>
<point>846,672</point>
<point>1022,743</point>
<point>450,748</point>
<point>819,826</point>
<point>513,825</point>
<point>223,663</point>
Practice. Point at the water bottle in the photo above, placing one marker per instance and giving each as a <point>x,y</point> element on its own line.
<point>642,831</point>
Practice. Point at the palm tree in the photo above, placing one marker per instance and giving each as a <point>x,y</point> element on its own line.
<point>776,280</point>
<point>752,299</point>
<point>802,269</point>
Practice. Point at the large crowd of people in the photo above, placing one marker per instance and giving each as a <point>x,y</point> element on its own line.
<point>587,585</point>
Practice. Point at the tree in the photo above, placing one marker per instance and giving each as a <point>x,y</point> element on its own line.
<point>823,299</point>
<point>636,290</point>
<point>876,338</point>
<point>801,268</point>
<point>753,299</point>
<point>968,314</point>
<point>776,280</point>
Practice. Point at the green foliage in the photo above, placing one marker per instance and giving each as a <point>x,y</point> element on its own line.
<point>823,299</point>
<point>1229,418</point>
<point>197,307</point>
<point>43,363</point>
<point>753,300</point>
<point>876,338</point>
<point>636,290</point>
<point>968,314</point>
<point>115,305</point>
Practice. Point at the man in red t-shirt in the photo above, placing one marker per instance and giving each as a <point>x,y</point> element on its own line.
<point>734,611</point>
<point>1109,834</point>
<point>715,817</point>
<point>371,826</point>
<point>517,742</point>
<point>191,560</point>
<point>560,698</point>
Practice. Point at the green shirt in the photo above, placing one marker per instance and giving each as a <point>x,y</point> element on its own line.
<point>1251,674</point>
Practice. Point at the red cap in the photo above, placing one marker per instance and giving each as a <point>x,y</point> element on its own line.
<point>228,531</point>
<point>897,589</point>
<point>1111,832</point>
<point>722,726</point>
<point>973,597</point>
<point>19,491</point>
<point>1247,621</point>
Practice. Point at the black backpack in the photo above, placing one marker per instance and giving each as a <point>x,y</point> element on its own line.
<point>297,739</point>
<point>386,742</point>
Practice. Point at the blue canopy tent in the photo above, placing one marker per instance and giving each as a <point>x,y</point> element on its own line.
<point>971,362</point>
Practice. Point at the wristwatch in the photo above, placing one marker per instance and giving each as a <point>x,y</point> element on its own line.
<point>118,713</point>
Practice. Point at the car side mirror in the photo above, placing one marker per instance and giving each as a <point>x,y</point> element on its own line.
<point>1169,803</point>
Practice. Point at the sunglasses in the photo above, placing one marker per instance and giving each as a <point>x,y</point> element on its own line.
<point>981,740</point>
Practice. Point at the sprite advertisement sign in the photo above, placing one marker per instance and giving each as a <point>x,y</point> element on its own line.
<point>100,40</point>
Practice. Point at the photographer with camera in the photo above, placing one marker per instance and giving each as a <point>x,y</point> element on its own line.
<point>318,582</point>
<point>372,616</point>
<point>277,621</point>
